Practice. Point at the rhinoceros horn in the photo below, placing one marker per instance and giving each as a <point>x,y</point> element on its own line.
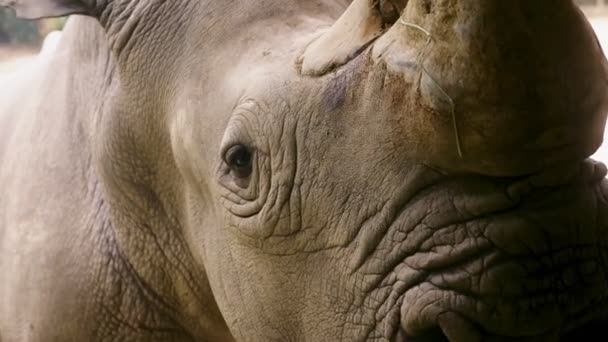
<point>497,87</point>
<point>361,24</point>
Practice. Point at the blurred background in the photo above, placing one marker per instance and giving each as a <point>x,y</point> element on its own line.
<point>19,38</point>
<point>21,41</point>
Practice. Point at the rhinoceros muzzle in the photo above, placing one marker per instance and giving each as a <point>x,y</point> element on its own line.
<point>514,91</point>
<point>592,331</point>
<point>536,271</point>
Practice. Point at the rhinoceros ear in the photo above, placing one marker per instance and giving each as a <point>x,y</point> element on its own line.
<point>36,9</point>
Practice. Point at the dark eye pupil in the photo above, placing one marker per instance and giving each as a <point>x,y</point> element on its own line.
<point>241,158</point>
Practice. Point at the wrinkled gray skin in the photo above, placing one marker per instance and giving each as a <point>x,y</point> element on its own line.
<point>124,217</point>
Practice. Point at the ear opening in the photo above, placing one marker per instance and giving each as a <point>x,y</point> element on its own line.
<point>37,9</point>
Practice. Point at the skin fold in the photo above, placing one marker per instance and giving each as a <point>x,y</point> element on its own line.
<point>323,170</point>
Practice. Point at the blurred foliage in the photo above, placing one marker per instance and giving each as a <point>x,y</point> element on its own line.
<point>57,23</point>
<point>13,30</point>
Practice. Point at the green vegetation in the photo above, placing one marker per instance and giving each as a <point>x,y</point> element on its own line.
<point>13,30</point>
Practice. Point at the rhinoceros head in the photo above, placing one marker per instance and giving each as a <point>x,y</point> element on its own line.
<point>354,171</point>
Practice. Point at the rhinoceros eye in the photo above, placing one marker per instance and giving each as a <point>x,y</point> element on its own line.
<point>239,159</point>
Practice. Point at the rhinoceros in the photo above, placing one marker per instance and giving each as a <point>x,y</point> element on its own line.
<point>306,170</point>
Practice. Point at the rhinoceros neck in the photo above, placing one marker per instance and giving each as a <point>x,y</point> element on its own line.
<point>143,270</point>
